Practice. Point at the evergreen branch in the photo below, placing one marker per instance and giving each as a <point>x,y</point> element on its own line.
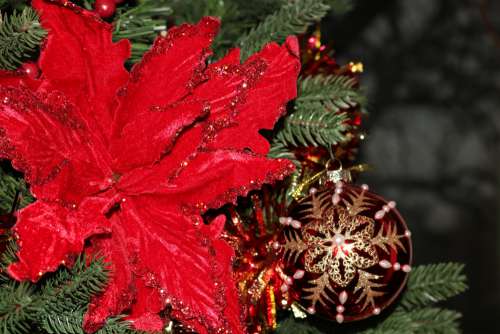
<point>20,36</point>
<point>294,326</point>
<point>71,323</point>
<point>434,321</point>
<point>141,24</point>
<point>420,321</point>
<point>9,186</point>
<point>71,289</point>
<point>18,307</point>
<point>433,283</point>
<point>294,17</point>
<point>318,118</point>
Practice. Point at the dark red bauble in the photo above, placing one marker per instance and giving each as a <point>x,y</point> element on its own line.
<point>348,250</point>
<point>105,8</point>
<point>31,70</point>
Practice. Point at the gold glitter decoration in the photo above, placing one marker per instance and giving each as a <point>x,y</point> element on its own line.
<point>339,244</point>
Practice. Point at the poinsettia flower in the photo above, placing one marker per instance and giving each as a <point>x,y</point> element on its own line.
<point>123,164</point>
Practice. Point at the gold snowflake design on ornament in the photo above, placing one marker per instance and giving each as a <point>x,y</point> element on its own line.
<point>339,244</point>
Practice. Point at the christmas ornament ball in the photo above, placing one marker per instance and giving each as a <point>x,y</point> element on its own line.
<point>348,251</point>
<point>105,8</point>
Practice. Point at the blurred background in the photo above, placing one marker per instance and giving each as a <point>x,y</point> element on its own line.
<point>432,75</point>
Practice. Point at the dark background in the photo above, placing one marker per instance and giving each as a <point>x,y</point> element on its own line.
<point>432,75</point>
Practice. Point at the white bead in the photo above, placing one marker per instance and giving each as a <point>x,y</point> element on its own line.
<point>311,310</point>
<point>339,239</point>
<point>336,199</point>
<point>385,264</point>
<point>340,309</point>
<point>376,311</point>
<point>396,266</point>
<point>338,191</point>
<point>313,191</point>
<point>276,245</point>
<point>408,233</point>
<point>406,268</point>
<point>282,220</point>
<point>299,274</point>
<point>296,224</point>
<point>392,204</point>
<point>288,220</point>
<point>365,187</point>
<point>380,214</point>
<point>339,318</point>
<point>386,208</point>
<point>343,297</point>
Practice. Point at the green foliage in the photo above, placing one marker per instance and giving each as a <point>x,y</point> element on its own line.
<point>294,326</point>
<point>434,283</point>
<point>9,186</point>
<point>294,17</point>
<point>20,36</point>
<point>317,119</point>
<point>427,320</point>
<point>141,24</point>
<point>57,303</point>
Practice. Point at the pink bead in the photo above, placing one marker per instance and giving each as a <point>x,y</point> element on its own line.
<point>336,199</point>
<point>299,274</point>
<point>380,214</point>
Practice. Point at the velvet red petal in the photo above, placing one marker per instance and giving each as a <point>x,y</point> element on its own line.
<point>153,132</point>
<point>16,79</point>
<point>200,186</point>
<point>164,77</point>
<point>264,102</point>
<point>49,234</point>
<point>80,60</point>
<point>176,262</point>
<point>44,137</point>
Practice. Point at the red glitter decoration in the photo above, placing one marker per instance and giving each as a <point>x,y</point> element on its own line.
<point>128,162</point>
<point>105,8</point>
<point>31,69</point>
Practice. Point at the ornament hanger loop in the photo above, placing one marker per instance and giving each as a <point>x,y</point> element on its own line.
<point>336,174</point>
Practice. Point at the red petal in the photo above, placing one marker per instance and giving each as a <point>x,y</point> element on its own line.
<point>264,102</point>
<point>81,60</point>
<point>175,260</point>
<point>218,177</point>
<point>46,139</point>
<point>164,77</point>
<point>51,234</point>
<point>236,113</point>
<point>153,132</point>
<point>16,78</point>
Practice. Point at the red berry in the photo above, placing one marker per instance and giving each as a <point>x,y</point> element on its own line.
<point>31,70</point>
<point>105,8</point>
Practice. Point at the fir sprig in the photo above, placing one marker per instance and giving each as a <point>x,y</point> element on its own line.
<point>434,283</point>
<point>58,303</point>
<point>317,119</point>
<point>429,320</point>
<point>20,36</point>
<point>9,186</point>
<point>294,17</point>
<point>141,24</point>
